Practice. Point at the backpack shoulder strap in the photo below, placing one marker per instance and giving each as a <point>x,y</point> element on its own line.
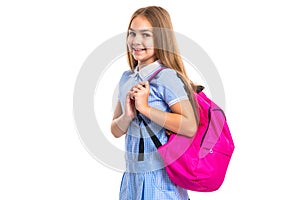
<point>155,73</point>
<point>152,135</point>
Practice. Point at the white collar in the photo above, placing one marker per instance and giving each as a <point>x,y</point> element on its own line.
<point>147,70</point>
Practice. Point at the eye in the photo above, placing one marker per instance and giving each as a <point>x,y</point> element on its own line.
<point>146,35</point>
<point>131,33</point>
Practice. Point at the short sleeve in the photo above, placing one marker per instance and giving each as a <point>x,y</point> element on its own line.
<point>171,87</point>
<point>123,78</point>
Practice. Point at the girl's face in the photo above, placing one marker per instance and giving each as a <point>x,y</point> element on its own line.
<point>140,41</point>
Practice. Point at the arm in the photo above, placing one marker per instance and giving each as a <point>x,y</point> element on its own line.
<point>181,120</point>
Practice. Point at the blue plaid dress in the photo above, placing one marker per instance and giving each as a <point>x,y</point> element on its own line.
<point>148,179</point>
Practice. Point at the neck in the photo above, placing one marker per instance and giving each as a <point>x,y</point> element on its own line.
<point>142,65</point>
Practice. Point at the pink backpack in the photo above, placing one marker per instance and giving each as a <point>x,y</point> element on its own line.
<point>198,163</point>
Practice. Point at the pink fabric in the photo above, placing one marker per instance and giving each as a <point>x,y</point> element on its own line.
<point>202,168</point>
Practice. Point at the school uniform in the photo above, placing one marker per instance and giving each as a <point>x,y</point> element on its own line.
<point>148,179</point>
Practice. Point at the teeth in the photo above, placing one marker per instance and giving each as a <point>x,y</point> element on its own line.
<point>138,49</point>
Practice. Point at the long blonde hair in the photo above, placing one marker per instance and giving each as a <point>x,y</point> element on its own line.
<point>166,48</point>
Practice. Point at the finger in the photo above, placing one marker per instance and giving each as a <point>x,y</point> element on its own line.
<point>137,87</point>
<point>128,96</point>
<point>136,90</point>
<point>168,132</point>
<point>134,95</point>
<point>131,95</point>
<point>146,84</point>
<point>141,85</point>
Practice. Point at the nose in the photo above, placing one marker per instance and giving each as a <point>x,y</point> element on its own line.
<point>137,39</point>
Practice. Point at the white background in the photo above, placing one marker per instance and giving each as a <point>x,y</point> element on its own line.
<point>43,44</point>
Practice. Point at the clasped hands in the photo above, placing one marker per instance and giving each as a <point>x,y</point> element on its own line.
<point>137,99</point>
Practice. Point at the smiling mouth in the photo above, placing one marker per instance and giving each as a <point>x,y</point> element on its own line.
<point>138,49</point>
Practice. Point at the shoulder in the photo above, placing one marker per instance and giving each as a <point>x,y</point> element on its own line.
<point>125,75</point>
<point>168,76</point>
<point>168,72</point>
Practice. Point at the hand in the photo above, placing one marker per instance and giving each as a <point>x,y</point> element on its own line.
<point>130,111</point>
<point>168,132</point>
<point>140,93</point>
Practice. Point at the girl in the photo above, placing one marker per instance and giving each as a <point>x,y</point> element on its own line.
<point>168,105</point>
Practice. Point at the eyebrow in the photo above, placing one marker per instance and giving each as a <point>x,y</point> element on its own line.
<point>140,30</point>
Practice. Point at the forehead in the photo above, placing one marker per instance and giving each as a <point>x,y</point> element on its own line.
<point>140,23</point>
